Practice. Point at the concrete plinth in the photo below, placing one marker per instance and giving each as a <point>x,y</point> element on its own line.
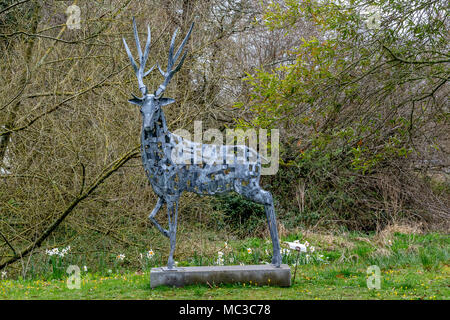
<point>257,274</point>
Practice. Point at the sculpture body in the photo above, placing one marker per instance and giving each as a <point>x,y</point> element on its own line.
<point>174,165</point>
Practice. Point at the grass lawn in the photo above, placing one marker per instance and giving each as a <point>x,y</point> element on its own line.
<point>312,282</point>
<point>412,267</point>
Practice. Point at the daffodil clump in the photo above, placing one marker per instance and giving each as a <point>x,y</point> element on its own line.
<point>57,252</point>
<point>57,261</point>
<point>220,259</point>
<point>225,255</point>
<point>148,259</point>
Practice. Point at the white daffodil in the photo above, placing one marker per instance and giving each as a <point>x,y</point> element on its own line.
<point>226,245</point>
<point>306,243</point>
<point>285,252</point>
<point>120,257</point>
<point>220,254</point>
<point>85,268</point>
<point>150,254</point>
<point>56,252</point>
<point>296,246</point>
<point>4,274</point>
<point>312,249</point>
<point>64,251</point>
<point>249,250</point>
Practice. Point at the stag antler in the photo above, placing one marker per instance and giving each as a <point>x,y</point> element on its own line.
<point>142,58</point>
<point>171,61</point>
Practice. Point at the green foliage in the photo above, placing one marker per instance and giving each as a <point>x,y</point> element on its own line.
<point>240,214</point>
<point>352,102</point>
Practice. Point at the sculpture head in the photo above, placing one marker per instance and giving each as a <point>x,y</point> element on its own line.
<point>151,104</point>
<point>150,109</point>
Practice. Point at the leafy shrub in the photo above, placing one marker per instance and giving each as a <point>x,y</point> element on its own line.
<point>240,214</point>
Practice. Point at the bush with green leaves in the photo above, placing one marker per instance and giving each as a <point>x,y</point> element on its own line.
<point>361,107</point>
<point>241,215</point>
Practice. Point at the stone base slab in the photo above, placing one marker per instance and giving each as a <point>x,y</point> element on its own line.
<point>255,274</point>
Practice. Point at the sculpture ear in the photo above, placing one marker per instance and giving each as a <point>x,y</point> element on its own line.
<point>136,101</point>
<point>165,101</point>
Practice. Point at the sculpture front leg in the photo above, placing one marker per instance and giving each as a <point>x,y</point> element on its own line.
<point>152,215</point>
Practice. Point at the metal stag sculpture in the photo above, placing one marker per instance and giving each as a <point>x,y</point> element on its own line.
<point>174,164</point>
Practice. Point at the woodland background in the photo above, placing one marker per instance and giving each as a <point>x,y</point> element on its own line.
<point>362,111</point>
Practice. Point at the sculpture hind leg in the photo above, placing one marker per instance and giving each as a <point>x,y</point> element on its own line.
<point>172,212</point>
<point>259,195</point>
<point>152,215</point>
<point>272,222</point>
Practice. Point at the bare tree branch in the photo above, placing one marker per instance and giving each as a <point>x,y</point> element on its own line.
<point>13,5</point>
<point>108,171</point>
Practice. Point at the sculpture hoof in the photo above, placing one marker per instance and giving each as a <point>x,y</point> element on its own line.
<point>276,261</point>
<point>166,233</point>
